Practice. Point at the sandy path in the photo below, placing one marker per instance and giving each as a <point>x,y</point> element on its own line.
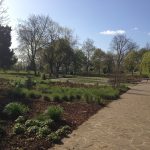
<point>123,125</point>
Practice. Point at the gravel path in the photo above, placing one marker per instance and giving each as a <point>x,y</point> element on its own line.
<point>123,125</point>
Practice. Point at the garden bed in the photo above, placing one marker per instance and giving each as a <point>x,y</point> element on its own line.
<point>74,115</point>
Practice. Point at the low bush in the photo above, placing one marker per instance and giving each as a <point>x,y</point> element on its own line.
<point>54,137</point>
<point>54,112</point>
<point>15,109</point>
<point>20,119</point>
<point>32,129</point>
<point>18,128</point>
<point>43,131</point>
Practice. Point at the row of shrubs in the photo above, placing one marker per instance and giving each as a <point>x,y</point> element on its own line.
<point>60,94</point>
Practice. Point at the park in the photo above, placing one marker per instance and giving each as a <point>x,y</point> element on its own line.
<point>58,93</point>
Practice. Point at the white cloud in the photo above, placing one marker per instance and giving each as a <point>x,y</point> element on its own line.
<point>149,33</point>
<point>113,32</point>
<point>135,28</point>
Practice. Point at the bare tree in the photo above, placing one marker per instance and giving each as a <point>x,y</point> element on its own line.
<point>120,45</point>
<point>88,47</point>
<point>32,35</point>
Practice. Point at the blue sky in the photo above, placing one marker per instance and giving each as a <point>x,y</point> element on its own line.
<point>99,20</point>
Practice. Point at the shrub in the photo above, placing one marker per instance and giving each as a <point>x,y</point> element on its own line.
<point>15,109</point>
<point>32,129</point>
<point>46,98</point>
<point>43,76</point>
<point>20,119</point>
<point>43,131</point>
<point>29,83</point>
<point>63,131</point>
<point>65,98</point>
<point>56,98</point>
<point>18,128</point>
<point>16,93</point>
<point>34,95</point>
<point>32,122</point>
<point>54,112</point>
<point>54,137</point>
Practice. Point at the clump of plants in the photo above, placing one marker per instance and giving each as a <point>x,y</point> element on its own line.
<point>54,112</point>
<point>15,109</point>
<point>19,128</point>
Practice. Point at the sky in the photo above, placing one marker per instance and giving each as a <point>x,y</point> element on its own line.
<point>99,20</point>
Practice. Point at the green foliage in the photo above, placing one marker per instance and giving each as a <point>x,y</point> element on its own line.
<point>16,93</point>
<point>32,129</point>
<point>18,128</point>
<point>43,76</point>
<point>54,112</point>
<point>63,131</point>
<point>20,119</point>
<point>146,63</point>
<point>32,122</point>
<point>54,137</point>
<point>15,109</point>
<point>43,131</point>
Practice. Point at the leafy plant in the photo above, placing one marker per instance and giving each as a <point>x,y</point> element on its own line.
<point>54,137</point>
<point>54,112</point>
<point>15,109</point>
<point>20,119</point>
<point>18,128</point>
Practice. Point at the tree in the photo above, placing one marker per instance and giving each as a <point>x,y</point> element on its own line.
<point>120,45</point>
<point>88,47</point>
<point>7,58</point>
<point>108,63</point>
<point>79,60</point>
<point>146,63</point>
<point>33,35</point>
<point>98,59</point>
<point>131,61</point>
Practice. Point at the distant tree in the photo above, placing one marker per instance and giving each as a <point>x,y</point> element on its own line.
<point>98,60</point>
<point>131,61</point>
<point>108,63</point>
<point>120,45</point>
<point>79,61</point>
<point>145,64</point>
<point>7,58</point>
<point>32,35</point>
<point>88,47</point>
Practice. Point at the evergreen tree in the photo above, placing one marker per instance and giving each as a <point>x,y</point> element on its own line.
<point>7,58</point>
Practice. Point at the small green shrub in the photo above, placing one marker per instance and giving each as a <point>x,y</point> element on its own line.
<point>32,129</point>
<point>46,98</point>
<point>43,76</point>
<point>18,128</point>
<point>32,122</point>
<point>56,98</point>
<point>15,109</point>
<point>20,119</point>
<point>54,112</point>
<point>16,93</point>
<point>43,131</point>
<point>34,95</point>
<point>29,83</point>
<point>54,137</point>
<point>63,131</point>
<point>65,98</point>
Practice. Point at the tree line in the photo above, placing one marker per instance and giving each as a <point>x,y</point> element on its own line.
<point>45,46</point>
